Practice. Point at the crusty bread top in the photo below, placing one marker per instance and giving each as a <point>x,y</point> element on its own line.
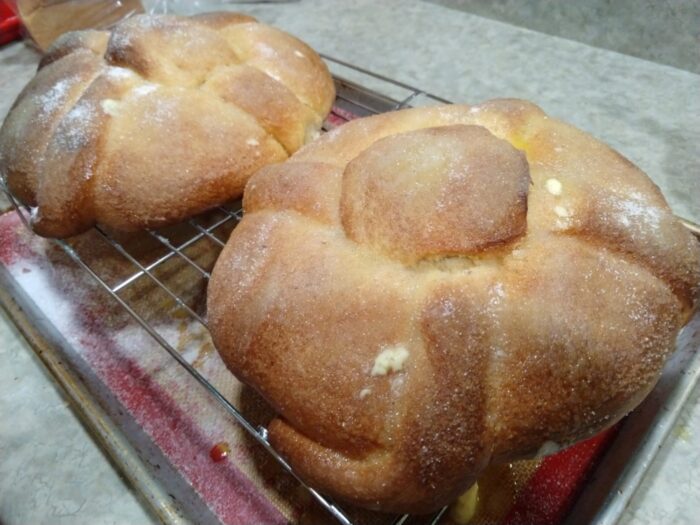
<point>158,119</point>
<point>422,293</point>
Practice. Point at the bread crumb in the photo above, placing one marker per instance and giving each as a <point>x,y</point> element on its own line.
<point>252,142</point>
<point>553,186</point>
<point>391,359</point>
<point>365,392</point>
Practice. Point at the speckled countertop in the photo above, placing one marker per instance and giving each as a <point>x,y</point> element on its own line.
<point>50,469</point>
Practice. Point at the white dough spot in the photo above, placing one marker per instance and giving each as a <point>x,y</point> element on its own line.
<point>110,106</point>
<point>553,186</point>
<point>391,359</point>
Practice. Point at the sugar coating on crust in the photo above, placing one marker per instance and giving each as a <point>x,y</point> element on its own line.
<point>422,293</point>
<point>108,92</point>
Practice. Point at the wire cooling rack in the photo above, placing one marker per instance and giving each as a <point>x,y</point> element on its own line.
<point>359,93</point>
<point>212,229</point>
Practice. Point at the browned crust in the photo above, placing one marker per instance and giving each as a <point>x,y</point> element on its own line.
<point>67,43</point>
<point>469,185</point>
<point>36,114</point>
<point>96,137</point>
<point>551,333</point>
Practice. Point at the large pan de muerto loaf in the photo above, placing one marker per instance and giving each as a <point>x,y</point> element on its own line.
<point>157,120</point>
<point>423,293</point>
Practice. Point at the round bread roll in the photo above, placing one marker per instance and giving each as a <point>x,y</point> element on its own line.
<point>423,293</point>
<point>157,120</point>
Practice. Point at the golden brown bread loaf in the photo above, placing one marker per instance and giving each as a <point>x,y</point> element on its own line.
<point>159,119</point>
<point>423,293</point>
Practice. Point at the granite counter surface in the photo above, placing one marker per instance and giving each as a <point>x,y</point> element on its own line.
<point>51,471</point>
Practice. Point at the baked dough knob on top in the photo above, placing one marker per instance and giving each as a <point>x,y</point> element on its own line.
<point>158,119</point>
<point>423,293</point>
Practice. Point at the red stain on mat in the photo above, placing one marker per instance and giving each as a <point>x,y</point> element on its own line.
<point>12,249</point>
<point>219,452</point>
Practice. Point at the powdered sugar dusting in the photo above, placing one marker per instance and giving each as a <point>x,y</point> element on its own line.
<point>119,73</point>
<point>266,50</point>
<point>37,284</point>
<point>55,98</point>
<point>135,25</point>
<point>73,132</point>
<point>635,209</point>
<point>120,39</point>
<point>165,109</point>
<point>30,272</point>
<point>144,89</point>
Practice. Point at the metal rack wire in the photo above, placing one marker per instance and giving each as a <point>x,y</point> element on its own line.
<point>352,101</point>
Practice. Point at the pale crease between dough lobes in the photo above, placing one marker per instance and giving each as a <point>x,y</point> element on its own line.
<point>158,119</point>
<point>426,292</point>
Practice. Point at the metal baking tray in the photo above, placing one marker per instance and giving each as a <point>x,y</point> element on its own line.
<point>174,264</point>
